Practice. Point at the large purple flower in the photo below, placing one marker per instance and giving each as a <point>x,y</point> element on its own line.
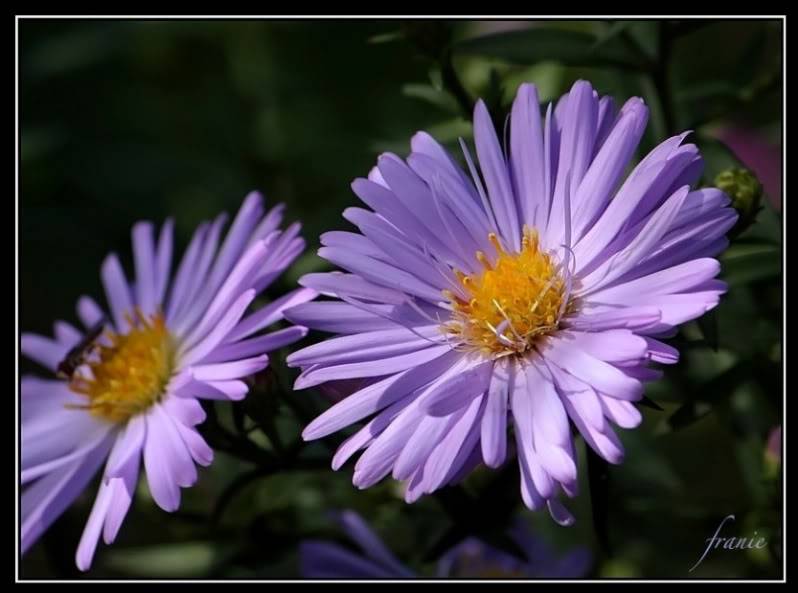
<point>133,394</point>
<point>471,558</point>
<point>533,299</point>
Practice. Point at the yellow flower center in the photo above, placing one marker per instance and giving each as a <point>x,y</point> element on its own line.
<point>129,375</point>
<point>511,303</point>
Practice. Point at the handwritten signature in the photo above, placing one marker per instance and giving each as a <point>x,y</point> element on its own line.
<point>730,543</point>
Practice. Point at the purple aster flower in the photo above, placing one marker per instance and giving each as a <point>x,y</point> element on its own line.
<point>132,393</point>
<point>534,298</point>
<point>471,558</point>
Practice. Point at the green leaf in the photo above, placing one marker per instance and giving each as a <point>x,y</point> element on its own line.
<point>387,37</point>
<point>747,264</point>
<point>646,36</point>
<point>717,91</point>
<point>437,97</point>
<point>186,559</point>
<point>451,130</point>
<point>614,29</point>
<point>707,90</point>
<point>643,34</point>
<point>444,132</point>
<point>571,48</point>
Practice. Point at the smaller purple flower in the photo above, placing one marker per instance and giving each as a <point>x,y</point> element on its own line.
<point>471,558</point>
<point>128,382</point>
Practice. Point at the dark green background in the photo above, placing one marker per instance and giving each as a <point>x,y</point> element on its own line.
<point>122,121</point>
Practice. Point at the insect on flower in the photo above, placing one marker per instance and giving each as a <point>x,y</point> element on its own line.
<point>78,354</point>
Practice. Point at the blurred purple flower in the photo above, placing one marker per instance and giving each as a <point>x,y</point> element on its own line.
<point>135,394</point>
<point>774,444</point>
<point>758,154</point>
<point>471,558</point>
<point>537,299</point>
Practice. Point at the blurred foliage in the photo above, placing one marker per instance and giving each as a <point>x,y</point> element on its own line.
<point>128,120</point>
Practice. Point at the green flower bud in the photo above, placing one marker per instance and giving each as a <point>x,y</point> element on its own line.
<point>745,191</point>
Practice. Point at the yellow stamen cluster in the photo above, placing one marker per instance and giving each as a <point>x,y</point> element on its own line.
<point>129,375</point>
<point>511,304</point>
